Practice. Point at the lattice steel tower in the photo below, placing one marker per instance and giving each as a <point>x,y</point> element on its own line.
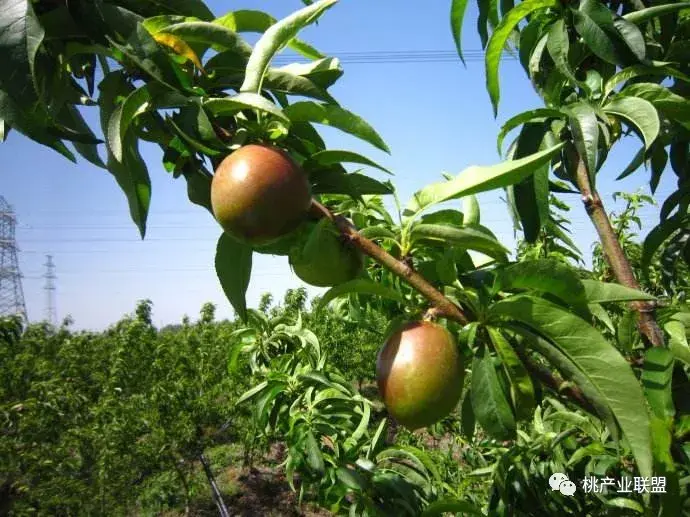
<point>51,311</point>
<point>11,292</point>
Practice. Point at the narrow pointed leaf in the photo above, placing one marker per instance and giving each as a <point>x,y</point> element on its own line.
<point>546,276</point>
<point>277,37</point>
<point>537,115</point>
<point>603,292</point>
<point>490,406</point>
<point>244,101</point>
<point>333,157</point>
<point>470,210</point>
<point>583,122</point>
<point>521,387</point>
<point>642,15</point>
<point>657,372</point>
<point>234,269</point>
<point>445,506</point>
<point>122,118</point>
<point>358,286</point>
<point>476,179</point>
<point>499,39</point>
<point>464,238</point>
<point>337,117</point>
<point>211,35</point>
<point>457,17</point>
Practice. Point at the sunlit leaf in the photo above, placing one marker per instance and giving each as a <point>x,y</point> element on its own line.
<point>358,286</point>
<point>638,112</point>
<point>499,38</point>
<point>476,179</point>
<point>337,117</point>
<point>277,37</point>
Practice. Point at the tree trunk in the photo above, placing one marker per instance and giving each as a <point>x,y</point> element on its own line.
<point>613,252</point>
<point>217,496</point>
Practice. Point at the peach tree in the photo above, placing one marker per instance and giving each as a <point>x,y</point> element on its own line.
<point>242,135</point>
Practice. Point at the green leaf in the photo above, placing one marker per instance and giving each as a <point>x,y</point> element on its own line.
<point>242,101</point>
<point>252,392</point>
<point>4,130</point>
<point>191,141</point>
<point>443,506</point>
<point>491,408</point>
<point>351,478</point>
<point>463,238</point>
<point>133,177</point>
<point>641,113</point>
<point>359,286</point>
<point>87,150</point>
<point>314,455</point>
<point>626,332</point>
<point>602,292</point>
<point>122,118</point>
<point>531,195</point>
<point>285,82</point>
<point>583,122</point>
<point>332,157</point>
<point>547,276</point>
<point>470,209</point>
<point>657,372</point>
<point>457,16</point>
<point>632,36</point>
<point>276,38</point>
<point>324,72</point>
<point>259,21</point>
<point>145,52</point>
<point>558,46</point>
<point>198,186</point>
<point>604,366</point>
<point>476,179</point>
<point>592,27</point>
<point>352,184</point>
<point>209,34</point>
<point>625,504</point>
<point>642,15</point>
<point>521,387</point>
<point>20,38</point>
<point>678,341</point>
<point>499,40</point>
<point>670,104</point>
<point>234,269</point>
<point>337,117</point>
<point>536,115</point>
<point>636,71</point>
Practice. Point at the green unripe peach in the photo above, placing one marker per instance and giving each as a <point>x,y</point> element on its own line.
<point>325,259</point>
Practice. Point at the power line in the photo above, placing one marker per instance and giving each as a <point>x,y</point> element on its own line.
<point>403,57</point>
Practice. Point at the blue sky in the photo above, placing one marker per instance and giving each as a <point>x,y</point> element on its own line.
<point>435,117</point>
